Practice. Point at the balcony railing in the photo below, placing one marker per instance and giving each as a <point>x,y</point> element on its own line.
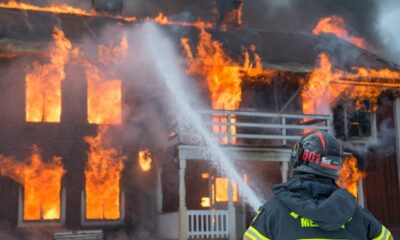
<point>210,224</point>
<point>257,128</point>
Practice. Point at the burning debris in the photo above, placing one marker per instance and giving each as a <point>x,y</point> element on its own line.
<point>102,178</point>
<point>41,183</point>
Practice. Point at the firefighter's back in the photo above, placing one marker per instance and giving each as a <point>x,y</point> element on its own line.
<point>275,221</point>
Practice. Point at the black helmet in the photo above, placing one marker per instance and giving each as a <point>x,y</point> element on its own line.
<point>317,153</point>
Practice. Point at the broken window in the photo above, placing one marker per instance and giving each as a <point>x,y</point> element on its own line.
<point>353,123</point>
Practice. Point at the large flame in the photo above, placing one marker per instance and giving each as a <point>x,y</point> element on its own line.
<point>223,76</point>
<point>43,83</point>
<point>102,174</point>
<point>41,181</point>
<point>145,160</point>
<point>327,85</point>
<point>336,25</point>
<point>350,176</point>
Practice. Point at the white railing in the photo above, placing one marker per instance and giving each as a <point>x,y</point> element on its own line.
<point>207,224</point>
<point>249,128</point>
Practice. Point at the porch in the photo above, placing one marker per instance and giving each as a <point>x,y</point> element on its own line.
<point>243,136</point>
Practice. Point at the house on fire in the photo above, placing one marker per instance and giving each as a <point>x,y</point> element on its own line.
<point>88,141</point>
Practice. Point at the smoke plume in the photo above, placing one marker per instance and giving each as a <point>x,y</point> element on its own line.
<point>389,29</point>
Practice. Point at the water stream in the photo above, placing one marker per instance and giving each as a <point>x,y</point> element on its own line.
<point>168,65</point>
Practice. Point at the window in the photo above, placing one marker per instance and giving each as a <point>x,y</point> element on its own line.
<point>356,125</point>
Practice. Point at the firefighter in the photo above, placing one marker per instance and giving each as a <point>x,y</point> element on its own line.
<point>310,205</point>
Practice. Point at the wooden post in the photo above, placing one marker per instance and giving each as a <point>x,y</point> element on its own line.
<point>284,140</point>
<point>159,188</point>
<point>231,212</point>
<point>182,200</point>
<point>284,171</point>
<point>397,125</point>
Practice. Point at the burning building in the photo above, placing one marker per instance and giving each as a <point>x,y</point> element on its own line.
<point>88,144</point>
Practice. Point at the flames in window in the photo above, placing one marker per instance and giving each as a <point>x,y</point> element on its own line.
<point>104,93</point>
<point>145,160</point>
<point>104,97</point>
<point>41,183</point>
<point>43,83</point>
<point>221,190</point>
<point>102,178</point>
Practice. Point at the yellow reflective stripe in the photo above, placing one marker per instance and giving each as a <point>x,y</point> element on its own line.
<point>295,215</point>
<point>320,239</point>
<point>385,234</point>
<point>257,233</point>
<point>247,234</point>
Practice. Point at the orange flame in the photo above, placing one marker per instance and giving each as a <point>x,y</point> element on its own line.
<point>102,174</point>
<point>41,182</point>
<point>336,25</point>
<point>327,85</point>
<point>104,97</point>
<point>65,9</point>
<point>161,19</point>
<point>43,84</point>
<point>350,176</point>
<point>145,160</point>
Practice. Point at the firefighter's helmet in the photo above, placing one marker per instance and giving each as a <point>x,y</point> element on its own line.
<point>318,153</point>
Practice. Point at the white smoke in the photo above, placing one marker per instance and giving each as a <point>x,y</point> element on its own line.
<point>389,28</point>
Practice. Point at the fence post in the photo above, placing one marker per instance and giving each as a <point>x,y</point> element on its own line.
<point>231,223</point>
<point>182,200</point>
<point>229,125</point>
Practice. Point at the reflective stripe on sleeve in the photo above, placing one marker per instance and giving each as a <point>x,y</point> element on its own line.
<point>254,234</point>
<point>385,234</point>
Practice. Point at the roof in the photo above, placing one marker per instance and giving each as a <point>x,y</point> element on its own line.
<point>30,31</point>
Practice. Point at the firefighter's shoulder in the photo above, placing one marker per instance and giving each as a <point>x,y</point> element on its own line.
<point>372,227</point>
<point>269,210</point>
<point>262,225</point>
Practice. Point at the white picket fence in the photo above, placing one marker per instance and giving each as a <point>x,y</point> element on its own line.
<point>207,224</point>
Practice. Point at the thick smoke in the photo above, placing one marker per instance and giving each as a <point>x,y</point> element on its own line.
<point>389,28</point>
